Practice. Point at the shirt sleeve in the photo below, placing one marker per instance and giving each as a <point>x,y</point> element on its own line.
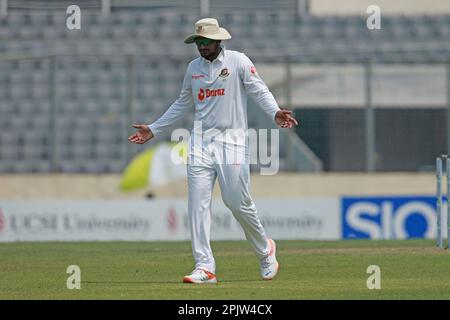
<point>178,109</point>
<point>256,88</point>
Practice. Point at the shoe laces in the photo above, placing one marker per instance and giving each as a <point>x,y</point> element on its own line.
<point>265,263</point>
<point>197,271</point>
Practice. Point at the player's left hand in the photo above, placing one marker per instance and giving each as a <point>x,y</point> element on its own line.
<point>142,136</point>
<point>285,119</point>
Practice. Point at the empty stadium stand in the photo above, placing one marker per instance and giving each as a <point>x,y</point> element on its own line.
<point>87,111</point>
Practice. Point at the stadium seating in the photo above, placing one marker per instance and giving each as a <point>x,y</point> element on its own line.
<point>90,100</point>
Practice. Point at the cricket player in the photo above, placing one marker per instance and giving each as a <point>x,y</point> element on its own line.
<point>216,86</point>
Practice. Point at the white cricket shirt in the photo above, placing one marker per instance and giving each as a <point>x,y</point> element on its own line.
<point>218,91</point>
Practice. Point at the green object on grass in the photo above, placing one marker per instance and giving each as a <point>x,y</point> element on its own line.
<point>136,173</point>
<point>154,167</point>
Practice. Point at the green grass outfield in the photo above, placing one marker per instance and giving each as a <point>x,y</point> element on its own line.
<point>412,269</point>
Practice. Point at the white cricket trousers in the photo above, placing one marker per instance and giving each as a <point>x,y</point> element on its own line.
<point>234,185</point>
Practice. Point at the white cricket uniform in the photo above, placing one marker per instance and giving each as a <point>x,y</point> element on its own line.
<point>218,92</point>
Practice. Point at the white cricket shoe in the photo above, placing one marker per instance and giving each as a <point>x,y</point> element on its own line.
<point>200,275</point>
<point>270,266</point>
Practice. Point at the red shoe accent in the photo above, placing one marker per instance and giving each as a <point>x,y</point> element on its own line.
<point>210,274</point>
<point>188,279</point>
<point>272,246</point>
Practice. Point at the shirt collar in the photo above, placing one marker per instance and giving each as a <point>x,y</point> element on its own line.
<point>219,58</point>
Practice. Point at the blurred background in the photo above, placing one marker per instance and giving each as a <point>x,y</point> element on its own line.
<point>373,104</point>
<point>374,113</point>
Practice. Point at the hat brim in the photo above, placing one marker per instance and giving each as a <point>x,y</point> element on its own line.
<point>223,34</point>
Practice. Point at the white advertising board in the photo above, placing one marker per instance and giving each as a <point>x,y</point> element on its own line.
<point>162,219</point>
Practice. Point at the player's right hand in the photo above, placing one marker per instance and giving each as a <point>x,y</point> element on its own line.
<point>142,136</point>
<point>284,118</point>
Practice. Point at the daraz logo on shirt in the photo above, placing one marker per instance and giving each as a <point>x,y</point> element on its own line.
<point>202,94</point>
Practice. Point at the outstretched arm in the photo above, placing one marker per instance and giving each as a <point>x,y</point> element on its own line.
<point>258,90</point>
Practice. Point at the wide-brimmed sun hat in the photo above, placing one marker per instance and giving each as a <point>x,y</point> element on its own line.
<point>208,28</point>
